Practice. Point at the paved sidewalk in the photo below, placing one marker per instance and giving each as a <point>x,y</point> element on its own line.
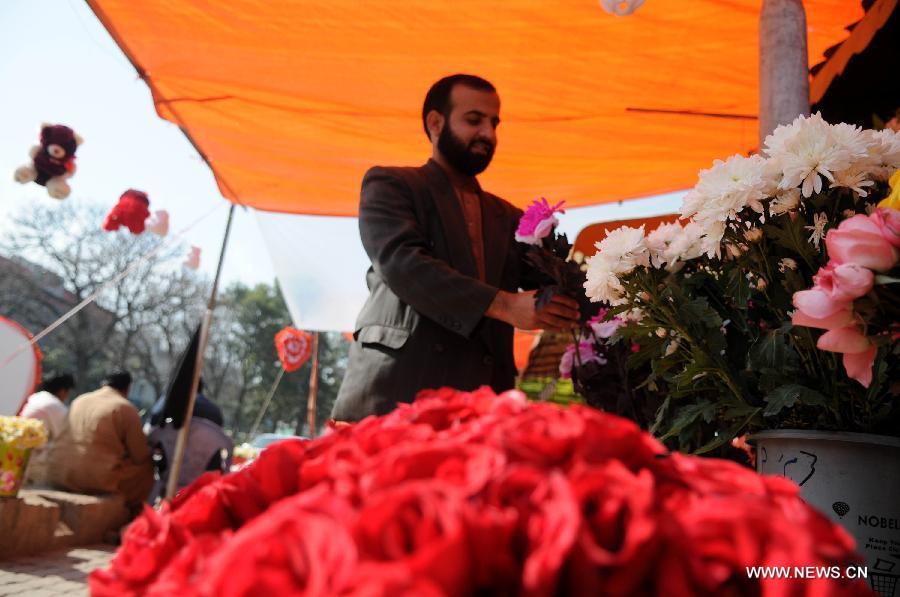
<point>60,573</point>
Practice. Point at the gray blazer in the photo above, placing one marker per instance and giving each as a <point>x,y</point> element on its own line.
<point>423,325</point>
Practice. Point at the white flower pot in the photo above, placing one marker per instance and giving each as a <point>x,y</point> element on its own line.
<point>853,478</point>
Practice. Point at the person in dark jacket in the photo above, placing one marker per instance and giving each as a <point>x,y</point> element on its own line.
<point>444,285</point>
<point>204,408</point>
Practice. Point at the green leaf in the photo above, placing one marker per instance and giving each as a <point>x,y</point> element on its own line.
<point>790,234</point>
<point>737,287</point>
<point>688,415</point>
<point>726,435</point>
<point>788,395</point>
<point>698,311</point>
<point>772,351</point>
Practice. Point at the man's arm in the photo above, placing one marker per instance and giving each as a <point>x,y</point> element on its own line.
<point>401,255</point>
<point>133,435</point>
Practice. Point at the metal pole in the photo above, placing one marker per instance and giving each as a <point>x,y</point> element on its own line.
<point>783,64</point>
<point>313,386</point>
<point>175,469</point>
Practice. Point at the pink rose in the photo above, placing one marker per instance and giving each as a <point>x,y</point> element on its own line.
<point>859,353</point>
<point>860,240</point>
<point>838,319</point>
<point>844,281</point>
<point>859,365</point>
<point>844,340</point>
<point>888,220</point>
<point>818,304</point>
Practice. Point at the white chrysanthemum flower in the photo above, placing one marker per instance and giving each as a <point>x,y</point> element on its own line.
<point>787,264</point>
<point>820,220</point>
<point>624,249</point>
<point>853,139</point>
<point>711,241</point>
<point>659,240</point>
<point>809,150</point>
<point>855,178</point>
<point>787,201</point>
<point>727,188</point>
<point>687,245</point>
<point>601,283</point>
<point>884,153</point>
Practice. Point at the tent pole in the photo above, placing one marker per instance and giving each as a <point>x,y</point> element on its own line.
<point>783,65</point>
<point>313,386</point>
<point>175,468</point>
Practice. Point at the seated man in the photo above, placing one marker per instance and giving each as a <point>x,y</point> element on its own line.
<point>48,404</point>
<point>103,449</point>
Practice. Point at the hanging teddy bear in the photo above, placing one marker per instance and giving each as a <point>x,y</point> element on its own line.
<point>53,161</point>
<point>192,261</point>
<point>131,211</point>
<point>159,224</point>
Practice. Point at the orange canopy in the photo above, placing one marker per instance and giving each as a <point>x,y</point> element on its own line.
<point>291,101</point>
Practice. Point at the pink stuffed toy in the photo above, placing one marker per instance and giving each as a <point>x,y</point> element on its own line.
<point>192,261</point>
<point>131,211</point>
<point>160,223</point>
<point>53,161</point>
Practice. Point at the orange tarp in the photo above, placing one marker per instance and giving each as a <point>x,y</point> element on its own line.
<point>291,101</point>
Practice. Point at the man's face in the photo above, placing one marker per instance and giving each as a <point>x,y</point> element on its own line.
<point>469,135</point>
<point>63,395</point>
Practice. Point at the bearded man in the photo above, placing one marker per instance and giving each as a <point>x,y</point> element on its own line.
<point>444,286</point>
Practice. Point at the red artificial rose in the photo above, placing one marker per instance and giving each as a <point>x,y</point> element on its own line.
<point>547,525</point>
<point>543,435</point>
<point>147,546</point>
<point>609,437</point>
<point>704,476</point>
<point>380,580</point>
<point>202,509</point>
<point>614,552</point>
<point>710,540</point>
<point>182,575</point>
<point>445,407</point>
<point>419,527</point>
<point>467,467</point>
<point>302,545</point>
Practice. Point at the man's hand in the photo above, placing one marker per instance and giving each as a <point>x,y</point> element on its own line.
<point>518,309</point>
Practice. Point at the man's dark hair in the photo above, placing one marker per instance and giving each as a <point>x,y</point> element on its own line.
<point>57,382</point>
<point>118,380</point>
<point>438,97</point>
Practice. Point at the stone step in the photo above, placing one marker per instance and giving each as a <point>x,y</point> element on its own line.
<point>42,520</point>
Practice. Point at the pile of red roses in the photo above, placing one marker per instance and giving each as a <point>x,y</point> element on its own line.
<point>478,494</point>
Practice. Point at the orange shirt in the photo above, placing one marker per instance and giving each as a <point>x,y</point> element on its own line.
<point>469,194</point>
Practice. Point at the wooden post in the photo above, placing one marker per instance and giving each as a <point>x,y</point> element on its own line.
<point>313,386</point>
<point>783,64</point>
<point>181,443</point>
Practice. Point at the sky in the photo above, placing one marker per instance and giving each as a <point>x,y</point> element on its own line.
<point>59,65</point>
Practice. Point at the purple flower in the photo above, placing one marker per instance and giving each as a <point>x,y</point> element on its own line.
<point>538,221</point>
<point>587,354</point>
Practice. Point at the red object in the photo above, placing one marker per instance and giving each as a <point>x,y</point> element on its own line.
<point>294,348</point>
<point>131,211</point>
<point>477,494</point>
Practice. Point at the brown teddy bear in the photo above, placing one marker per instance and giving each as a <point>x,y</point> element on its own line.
<point>53,161</point>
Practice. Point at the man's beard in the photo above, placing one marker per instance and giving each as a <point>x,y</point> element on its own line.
<point>460,156</point>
